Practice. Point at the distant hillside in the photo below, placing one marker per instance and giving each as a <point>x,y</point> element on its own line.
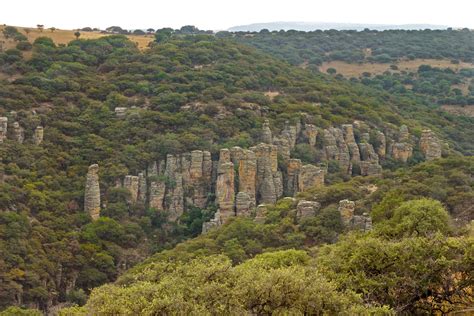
<point>311,26</point>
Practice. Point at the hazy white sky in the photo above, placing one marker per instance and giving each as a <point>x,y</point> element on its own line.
<point>218,15</point>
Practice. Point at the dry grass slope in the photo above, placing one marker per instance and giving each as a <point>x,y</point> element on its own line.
<point>65,36</point>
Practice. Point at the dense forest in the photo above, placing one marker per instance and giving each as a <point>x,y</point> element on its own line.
<point>105,102</point>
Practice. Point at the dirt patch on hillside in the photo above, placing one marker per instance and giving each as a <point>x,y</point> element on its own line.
<point>467,110</point>
<point>357,69</point>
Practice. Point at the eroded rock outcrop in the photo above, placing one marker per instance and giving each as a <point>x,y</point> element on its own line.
<point>430,145</point>
<point>92,192</point>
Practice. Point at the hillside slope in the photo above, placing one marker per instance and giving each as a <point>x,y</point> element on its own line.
<point>106,102</point>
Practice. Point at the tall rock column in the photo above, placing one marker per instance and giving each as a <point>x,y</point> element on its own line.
<point>290,133</point>
<point>142,187</point>
<point>430,145</point>
<point>174,196</point>
<point>157,186</point>
<point>225,191</point>
<point>267,168</point>
<point>267,133</point>
<point>348,131</point>
<point>18,133</point>
<point>346,209</point>
<point>369,164</point>
<point>3,128</point>
<point>402,150</point>
<point>92,192</point>
<point>293,172</point>
<point>38,136</point>
<point>131,183</point>
<point>310,133</point>
<point>248,176</point>
<point>382,144</point>
<point>342,150</point>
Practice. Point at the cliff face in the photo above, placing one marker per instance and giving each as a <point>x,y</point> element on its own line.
<point>242,179</point>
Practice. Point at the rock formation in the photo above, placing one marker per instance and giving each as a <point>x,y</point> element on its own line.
<point>261,213</point>
<point>3,128</point>
<point>290,133</point>
<point>306,209</point>
<point>337,149</point>
<point>403,149</point>
<point>348,131</point>
<point>92,192</point>
<point>310,133</point>
<point>310,176</point>
<point>18,133</point>
<point>248,175</point>
<point>225,190</point>
<point>38,136</point>
<point>120,111</point>
<point>293,172</point>
<point>382,144</point>
<point>131,183</point>
<point>361,222</point>
<point>430,145</point>
<point>142,187</point>
<point>243,204</point>
<point>269,184</point>
<point>174,196</point>
<point>346,209</point>
<point>267,133</point>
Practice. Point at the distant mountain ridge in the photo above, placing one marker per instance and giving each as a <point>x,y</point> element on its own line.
<point>311,26</point>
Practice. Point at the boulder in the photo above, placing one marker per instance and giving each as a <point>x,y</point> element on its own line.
<point>306,209</point>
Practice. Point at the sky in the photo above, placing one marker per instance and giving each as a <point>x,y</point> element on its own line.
<point>222,14</point>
